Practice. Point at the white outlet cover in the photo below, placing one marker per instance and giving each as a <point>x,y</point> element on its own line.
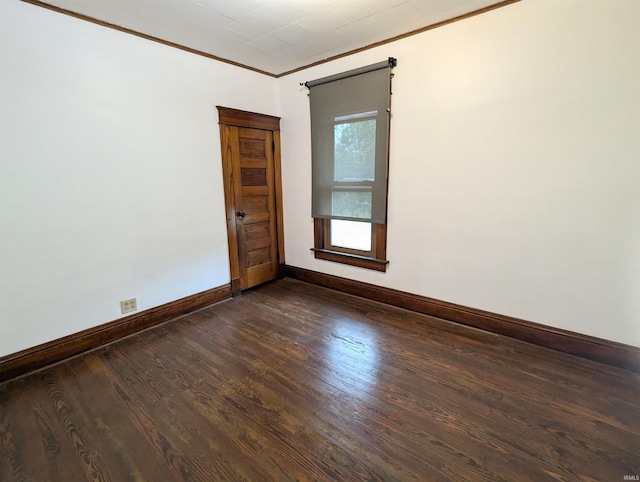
<point>127,306</point>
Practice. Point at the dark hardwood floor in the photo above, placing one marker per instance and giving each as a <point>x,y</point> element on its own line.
<point>296,382</point>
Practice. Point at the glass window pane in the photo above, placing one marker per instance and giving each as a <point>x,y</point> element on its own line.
<point>351,234</point>
<point>351,204</point>
<point>355,151</point>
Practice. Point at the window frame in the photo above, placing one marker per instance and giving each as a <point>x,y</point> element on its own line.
<point>375,259</point>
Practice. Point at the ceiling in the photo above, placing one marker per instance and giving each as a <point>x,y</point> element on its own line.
<point>272,36</point>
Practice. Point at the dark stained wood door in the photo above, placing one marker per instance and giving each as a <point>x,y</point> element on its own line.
<point>252,165</point>
<point>252,193</point>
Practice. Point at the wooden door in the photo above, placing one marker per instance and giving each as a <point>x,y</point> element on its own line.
<point>251,168</point>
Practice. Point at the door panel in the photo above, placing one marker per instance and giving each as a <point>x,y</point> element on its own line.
<point>258,257</point>
<point>254,196</point>
<point>254,177</point>
<point>256,204</point>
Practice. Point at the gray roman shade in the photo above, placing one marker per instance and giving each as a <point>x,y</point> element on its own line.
<point>349,143</point>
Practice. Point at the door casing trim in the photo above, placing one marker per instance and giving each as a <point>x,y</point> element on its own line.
<point>229,117</point>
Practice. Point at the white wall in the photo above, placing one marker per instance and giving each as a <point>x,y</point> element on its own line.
<point>515,165</point>
<point>513,185</point>
<point>110,172</point>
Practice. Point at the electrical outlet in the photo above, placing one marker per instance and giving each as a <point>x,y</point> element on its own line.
<point>127,306</point>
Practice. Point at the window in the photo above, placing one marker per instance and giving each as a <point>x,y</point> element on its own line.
<point>350,136</point>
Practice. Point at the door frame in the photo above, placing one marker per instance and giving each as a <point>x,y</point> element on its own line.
<point>229,117</point>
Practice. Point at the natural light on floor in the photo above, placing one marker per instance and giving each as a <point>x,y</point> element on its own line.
<point>351,234</point>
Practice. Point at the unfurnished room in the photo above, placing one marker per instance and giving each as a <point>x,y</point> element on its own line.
<point>319,240</point>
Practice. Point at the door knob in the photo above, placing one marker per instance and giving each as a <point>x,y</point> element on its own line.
<point>241,214</point>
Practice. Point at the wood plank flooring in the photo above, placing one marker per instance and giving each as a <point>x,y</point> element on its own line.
<point>296,382</point>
